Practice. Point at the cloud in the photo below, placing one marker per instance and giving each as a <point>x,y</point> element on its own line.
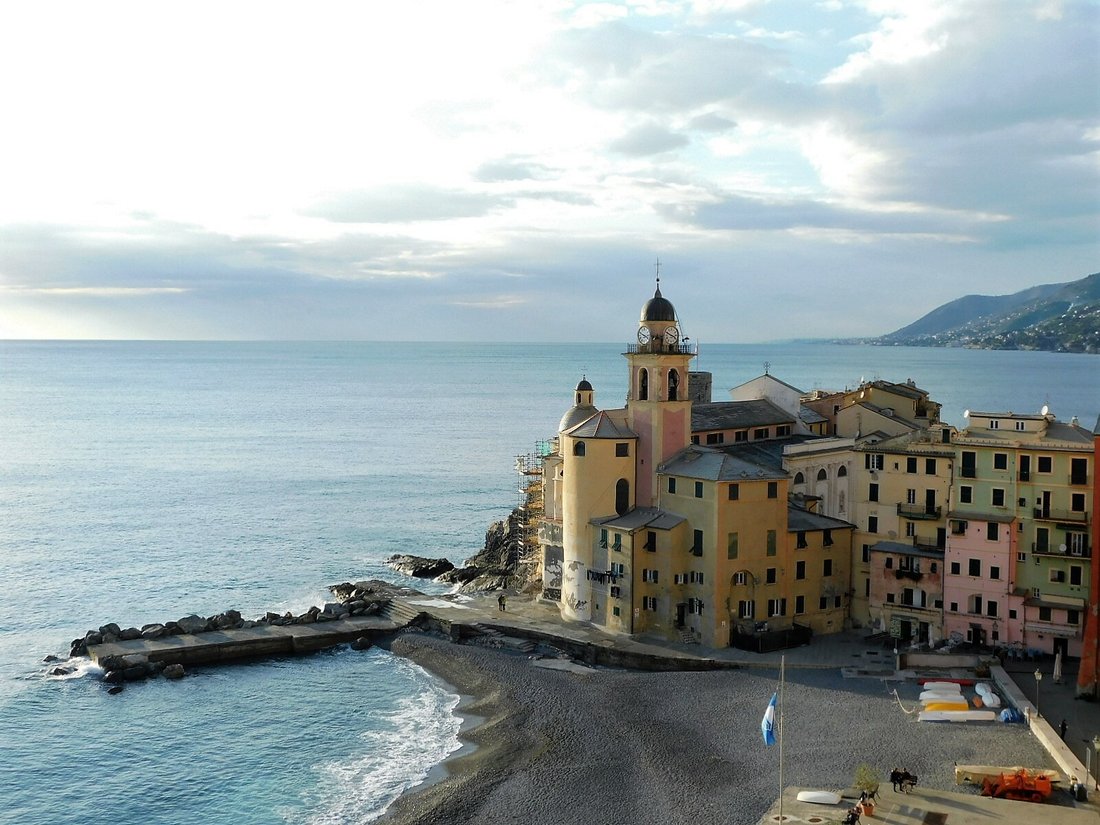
<point>648,139</point>
<point>405,203</point>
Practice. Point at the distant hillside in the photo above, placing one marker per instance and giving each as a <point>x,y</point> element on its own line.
<point>1053,317</point>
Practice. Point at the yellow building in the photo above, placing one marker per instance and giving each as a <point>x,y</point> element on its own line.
<point>647,531</point>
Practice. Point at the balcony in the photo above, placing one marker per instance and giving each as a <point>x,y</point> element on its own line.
<point>968,472</point>
<point>927,543</point>
<point>1024,475</point>
<point>919,511</point>
<point>1065,516</point>
<point>1081,551</point>
<point>1079,479</point>
<point>914,575</point>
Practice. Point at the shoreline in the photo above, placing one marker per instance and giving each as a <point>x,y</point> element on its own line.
<point>676,747</point>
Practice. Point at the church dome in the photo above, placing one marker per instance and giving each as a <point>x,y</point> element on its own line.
<point>584,386</point>
<point>576,415</point>
<point>658,308</point>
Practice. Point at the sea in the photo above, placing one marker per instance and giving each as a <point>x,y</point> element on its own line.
<point>144,481</point>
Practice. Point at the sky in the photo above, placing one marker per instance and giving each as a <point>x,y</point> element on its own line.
<point>513,171</point>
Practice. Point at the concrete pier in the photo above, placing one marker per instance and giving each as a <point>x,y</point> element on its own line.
<point>229,645</point>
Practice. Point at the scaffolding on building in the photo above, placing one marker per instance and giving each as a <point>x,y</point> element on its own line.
<point>529,509</point>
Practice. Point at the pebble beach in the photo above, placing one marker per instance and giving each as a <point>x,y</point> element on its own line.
<point>618,746</point>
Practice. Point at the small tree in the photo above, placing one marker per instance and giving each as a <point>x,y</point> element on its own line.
<point>867,778</point>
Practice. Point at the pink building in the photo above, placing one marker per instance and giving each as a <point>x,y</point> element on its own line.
<point>981,604</point>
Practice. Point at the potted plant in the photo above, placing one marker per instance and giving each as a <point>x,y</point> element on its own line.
<point>866,781</point>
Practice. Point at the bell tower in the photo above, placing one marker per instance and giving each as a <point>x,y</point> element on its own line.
<point>658,404</point>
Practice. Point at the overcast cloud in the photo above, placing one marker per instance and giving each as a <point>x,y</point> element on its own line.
<point>511,171</point>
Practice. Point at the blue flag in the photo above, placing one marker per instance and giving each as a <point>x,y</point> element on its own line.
<point>767,724</point>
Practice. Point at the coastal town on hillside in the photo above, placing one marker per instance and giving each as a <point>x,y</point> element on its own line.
<point>762,520</point>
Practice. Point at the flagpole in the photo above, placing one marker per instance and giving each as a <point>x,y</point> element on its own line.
<point>782,678</point>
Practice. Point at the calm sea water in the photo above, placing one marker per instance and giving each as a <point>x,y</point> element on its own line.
<point>140,482</point>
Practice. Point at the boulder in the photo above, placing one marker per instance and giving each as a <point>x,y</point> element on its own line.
<point>175,671</point>
<point>135,673</point>
<point>154,631</point>
<point>228,620</point>
<point>362,643</point>
<point>78,647</point>
<point>62,671</point>
<point>114,690</point>
<point>93,637</point>
<point>191,624</point>
<point>111,628</point>
<point>129,634</point>
<point>113,677</point>
<point>419,567</point>
<point>51,658</point>
<point>334,610</point>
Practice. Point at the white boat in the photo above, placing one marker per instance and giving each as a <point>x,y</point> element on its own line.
<point>942,687</point>
<point>820,797</point>
<point>940,696</point>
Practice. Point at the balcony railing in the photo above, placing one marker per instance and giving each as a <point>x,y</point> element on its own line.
<point>1079,479</point>
<point>1056,550</point>
<point>927,543</point>
<point>1074,516</point>
<point>919,511</point>
<point>1024,475</point>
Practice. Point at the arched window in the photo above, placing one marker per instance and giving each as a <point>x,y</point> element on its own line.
<point>673,385</point>
<point>643,384</point>
<point>578,401</point>
<point>799,478</point>
<point>842,472</point>
<point>822,475</point>
<point>578,448</point>
<point>622,496</point>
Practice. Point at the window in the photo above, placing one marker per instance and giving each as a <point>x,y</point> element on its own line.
<point>994,572</point>
<point>969,464</point>
<point>1075,575</point>
<point>827,538</point>
<point>974,604</point>
<point>873,461</point>
<point>649,602</point>
<point>735,492</point>
<point>872,492</point>
<point>910,496</point>
<point>1000,461</point>
<point>695,439</point>
<point>822,475</point>
<point>672,485</point>
<point>842,472</point>
<point>911,464</point>
<point>603,538</point>
<point>617,543</point>
<point>1044,614</point>
<point>799,478</point>
<point>741,435</point>
<point>827,567</point>
<point>746,609</point>
<point>761,432</point>
<point>1021,557</point>
<point>578,449</point>
<point>991,531</point>
<point>799,605</point>
<point>930,466</point>
<point>695,606</point>
<point>622,496</point>
<point>649,576</point>
<point>958,527</point>
<point>800,570</point>
<point>617,568</point>
<point>715,438</point>
<point>697,543</point>
<point>801,539</point>
<point>823,603</point>
<point>966,495</point>
<point>1020,426</point>
<point>771,542</point>
<point>622,449</point>
<point>650,541</point>
<point>1058,576</point>
<point>955,569</point>
<point>1012,614</point>
<point>1044,464</point>
<point>615,609</point>
<point>994,424</point>
<point>769,576</point>
<point>695,577</point>
<point>872,524</point>
<point>998,497</point>
<point>910,529</point>
<point>975,568</point>
<point>890,598</point>
<point>698,489</point>
<point>954,607</point>
<point>991,608</point>
<point>866,553</point>
<point>777,607</point>
<point>673,385</point>
<point>1072,617</point>
<point>1042,539</point>
<point>731,546</point>
<point>933,567</point>
<point>782,430</point>
<point>643,385</point>
<point>1077,502</point>
<point>889,563</point>
<point>773,489</point>
<point>1078,471</point>
<point>739,577</point>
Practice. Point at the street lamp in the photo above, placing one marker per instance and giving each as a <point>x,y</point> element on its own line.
<point>1038,679</point>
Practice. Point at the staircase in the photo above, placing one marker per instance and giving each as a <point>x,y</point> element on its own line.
<point>400,613</point>
<point>503,640</point>
<point>687,637</point>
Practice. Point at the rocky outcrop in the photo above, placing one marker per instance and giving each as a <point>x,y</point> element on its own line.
<point>498,565</point>
<point>419,567</point>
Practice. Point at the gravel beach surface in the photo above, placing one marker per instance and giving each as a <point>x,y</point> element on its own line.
<point>615,746</point>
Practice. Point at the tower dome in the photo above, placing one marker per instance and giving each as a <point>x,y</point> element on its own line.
<point>658,308</point>
<point>583,406</point>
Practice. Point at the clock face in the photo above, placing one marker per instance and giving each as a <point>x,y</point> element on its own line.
<point>643,335</point>
<point>672,335</point>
